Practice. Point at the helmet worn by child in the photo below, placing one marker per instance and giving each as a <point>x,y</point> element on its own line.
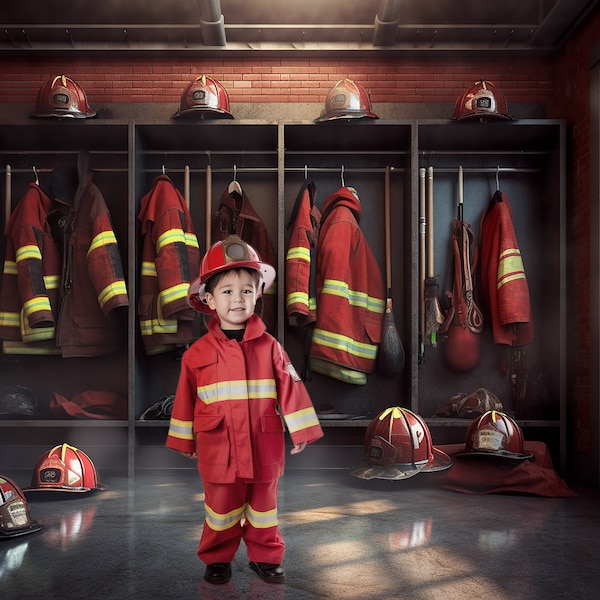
<point>231,253</point>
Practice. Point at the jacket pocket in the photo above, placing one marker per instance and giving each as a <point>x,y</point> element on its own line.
<point>212,440</point>
<point>272,447</point>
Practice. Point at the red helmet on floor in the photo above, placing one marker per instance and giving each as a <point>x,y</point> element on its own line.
<point>482,100</point>
<point>14,512</point>
<point>62,97</point>
<point>204,97</point>
<point>231,253</point>
<point>64,469</point>
<point>347,99</point>
<point>397,446</point>
<point>495,434</point>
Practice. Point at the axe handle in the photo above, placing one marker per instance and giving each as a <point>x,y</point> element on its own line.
<point>208,205</point>
<point>429,253</point>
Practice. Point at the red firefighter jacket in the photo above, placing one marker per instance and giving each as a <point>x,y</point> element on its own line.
<point>350,294</point>
<point>170,260</point>
<point>92,284</point>
<point>300,260</point>
<point>236,215</point>
<point>503,282</point>
<point>229,404</point>
<point>30,280</point>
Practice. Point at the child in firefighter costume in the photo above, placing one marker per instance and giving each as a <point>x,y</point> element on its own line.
<point>236,384</point>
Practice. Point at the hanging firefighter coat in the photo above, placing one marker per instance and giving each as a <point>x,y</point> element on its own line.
<point>301,259</point>
<point>229,404</point>
<point>92,282</point>
<point>350,294</point>
<point>503,283</point>
<point>170,260</point>
<point>236,215</point>
<point>30,280</point>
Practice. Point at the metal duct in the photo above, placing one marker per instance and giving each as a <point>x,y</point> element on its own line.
<point>386,23</point>
<point>212,23</point>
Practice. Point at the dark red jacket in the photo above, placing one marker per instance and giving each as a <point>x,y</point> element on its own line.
<point>236,215</point>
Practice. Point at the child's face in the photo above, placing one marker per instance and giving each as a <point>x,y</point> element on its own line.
<point>233,299</point>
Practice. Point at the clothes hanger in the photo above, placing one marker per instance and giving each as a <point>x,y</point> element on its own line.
<point>37,179</point>
<point>234,186</point>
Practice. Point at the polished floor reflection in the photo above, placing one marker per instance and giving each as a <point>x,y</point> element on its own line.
<point>346,539</point>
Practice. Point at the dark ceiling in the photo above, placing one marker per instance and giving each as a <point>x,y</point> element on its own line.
<point>314,27</point>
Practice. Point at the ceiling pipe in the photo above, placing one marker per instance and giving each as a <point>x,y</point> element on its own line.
<point>212,23</point>
<point>387,20</point>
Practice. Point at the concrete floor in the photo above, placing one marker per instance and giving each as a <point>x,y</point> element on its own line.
<point>346,539</point>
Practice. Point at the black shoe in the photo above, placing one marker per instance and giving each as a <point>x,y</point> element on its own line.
<point>218,573</point>
<point>269,572</point>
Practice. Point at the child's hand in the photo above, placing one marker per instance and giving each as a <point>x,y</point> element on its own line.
<point>298,448</point>
<point>189,454</point>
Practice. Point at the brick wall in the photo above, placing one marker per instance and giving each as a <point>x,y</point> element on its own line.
<point>399,81</point>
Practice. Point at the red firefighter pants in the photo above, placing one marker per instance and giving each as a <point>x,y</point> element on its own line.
<point>236,511</point>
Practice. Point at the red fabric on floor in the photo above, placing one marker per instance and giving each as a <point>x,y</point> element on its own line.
<point>491,475</point>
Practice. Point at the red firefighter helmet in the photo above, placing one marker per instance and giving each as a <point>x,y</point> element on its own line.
<point>204,97</point>
<point>231,253</point>
<point>14,512</point>
<point>347,99</point>
<point>64,469</point>
<point>482,100</point>
<point>61,96</point>
<point>496,435</point>
<point>397,446</point>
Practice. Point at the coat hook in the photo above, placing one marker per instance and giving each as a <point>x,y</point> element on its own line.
<point>305,172</point>
<point>498,177</point>
<point>37,179</point>
<point>342,177</point>
<point>164,170</point>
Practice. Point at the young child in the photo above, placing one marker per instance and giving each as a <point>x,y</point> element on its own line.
<point>236,383</point>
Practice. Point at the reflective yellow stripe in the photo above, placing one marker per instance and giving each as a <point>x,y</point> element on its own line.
<point>51,282</point>
<point>191,240</point>
<point>182,430</point>
<point>344,343</point>
<point>9,319</point>
<point>510,267</point>
<point>298,253</point>
<point>110,291</point>
<point>333,287</point>
<point>102,239</point>
<point>338,372</point>
<point>262,520</point>
<point>301,419</point>
<point>297,298</point>
<point>152,326</point>
<point>148,269</point>
<point>37,304</point>
<point>221,522</point>
<point>171,236</point>
<point>237,390</point>
<point>176,292</point>
<point>10,267</point>
<point>28,252</point>
<point>9,347</point>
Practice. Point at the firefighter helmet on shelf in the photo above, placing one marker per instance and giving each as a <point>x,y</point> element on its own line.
<point>482,100</point>
<point>17,401</point>
<point>64,469</point>
<point>496,435</point>
<point>347,99</point>
<point>231,253</point>
<point>14,512</point>
<point>398,445</point>
<point>204,97</point>
<point>61,96</point>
